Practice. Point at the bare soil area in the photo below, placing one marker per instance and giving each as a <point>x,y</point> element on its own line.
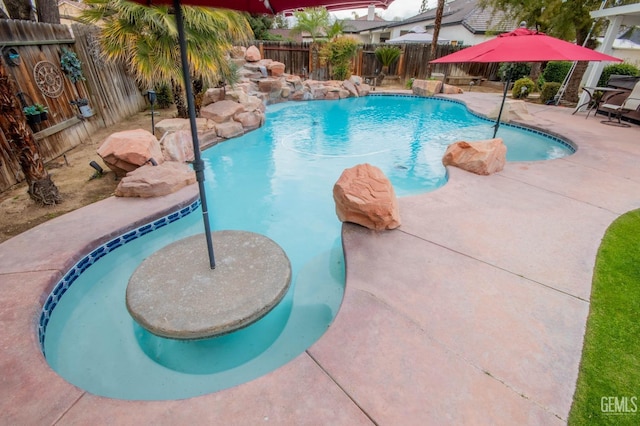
<point>77,182</point>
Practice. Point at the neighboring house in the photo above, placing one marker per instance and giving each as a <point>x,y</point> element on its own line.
<point>361,28</point>
<point>70,11</point>
<point>627,46</point>
<point>463,22</point>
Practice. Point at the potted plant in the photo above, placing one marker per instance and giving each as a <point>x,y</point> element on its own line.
<point>71,65</point>
<point>83,106</point>
<point>43,110</point>
<point>32,114</point>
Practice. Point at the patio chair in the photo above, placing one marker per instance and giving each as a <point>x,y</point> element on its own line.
<point>631,103</point>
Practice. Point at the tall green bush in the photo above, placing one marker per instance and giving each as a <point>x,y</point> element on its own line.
<point>556,71</point>
<point>525,83</point>
<point>519,70</point>
<point>549,91</point>
<point>387,55</point>
<point>338,53</point>
<point>617,69</point>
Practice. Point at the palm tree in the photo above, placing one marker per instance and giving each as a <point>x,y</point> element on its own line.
<point>146,39</point>
<point>13,124</point>
<point>312,20</point>
<point>436,34</point>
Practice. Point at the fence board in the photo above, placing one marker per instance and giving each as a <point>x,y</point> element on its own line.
<point>112,94</point>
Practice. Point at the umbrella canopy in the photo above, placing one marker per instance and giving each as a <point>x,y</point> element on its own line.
<point>275,6</point>
<point>524,45</point>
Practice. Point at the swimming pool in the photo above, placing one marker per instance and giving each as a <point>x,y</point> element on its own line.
<point>276,181</point>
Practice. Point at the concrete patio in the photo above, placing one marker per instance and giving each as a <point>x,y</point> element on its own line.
<point>472,312</point>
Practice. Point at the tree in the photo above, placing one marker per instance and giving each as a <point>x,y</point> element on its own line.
<point>336,29</point>
<point>312,20</point>
<point>13,124</point>
<point>48,11</point>
<point>20,9</point>
<point>281,22</point>
<point>260,25</point>
<point>146,39</point>
<point>436,33</point>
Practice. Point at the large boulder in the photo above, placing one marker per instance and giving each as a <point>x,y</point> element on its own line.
<point>426,87</point>
<point>481,157</point>
<point>125,151</point>
<point>178,146</point>
<point>348,85</point>
<point>154,181</point>
<point>252,54</point>
<point>276,69</point>
<point>229,129</point>
<point>365,196</point>
<point>512,110</point>
<point>170,125</point>
<point>250,120</point>
<point>222,111</point>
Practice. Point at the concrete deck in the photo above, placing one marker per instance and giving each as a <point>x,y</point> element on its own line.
<point>472,312</point>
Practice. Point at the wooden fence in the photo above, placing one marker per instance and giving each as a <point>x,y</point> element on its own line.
<point>411,64</point>
<point>38,78</point>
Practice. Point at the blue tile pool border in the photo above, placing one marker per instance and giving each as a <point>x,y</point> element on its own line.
<point>83,264</point>
<point>562,141</point>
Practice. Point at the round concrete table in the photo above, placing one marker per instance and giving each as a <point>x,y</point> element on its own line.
<point>175,294</point>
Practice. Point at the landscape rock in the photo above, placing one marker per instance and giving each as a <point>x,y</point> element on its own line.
<point>481,157</point>
<point>363,89</point>
<point>365,196</point>
<point>276,69</point>
<point>250,120</point>
<point>125,151</point>
<point>452,90</point>
<point>177,146</point>
<point>169,125</point>
<point>229,129</point>
<point>213,95</point>
<point>252,54</point>
<point>222,111</point>
<point>426,87</point>
<point>513,110</point>
<point>154,181</point>
<point>348,85</point>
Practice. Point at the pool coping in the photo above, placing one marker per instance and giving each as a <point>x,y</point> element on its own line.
<point>354,374</point>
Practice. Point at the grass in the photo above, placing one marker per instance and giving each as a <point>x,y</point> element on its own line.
<point>608,389</point>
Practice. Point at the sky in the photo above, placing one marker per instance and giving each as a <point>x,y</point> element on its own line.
<point>399,8</point>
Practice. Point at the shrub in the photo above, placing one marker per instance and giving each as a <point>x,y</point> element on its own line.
<point>549,91</point>
<point>556,71</point>
<point>71,65</point>
<point>519,70</point>
<point>409,83</point>
<point>387,55</point>
<point>338,53</point>
<point>164,98</point>
<point>527,84</point>
<point>617,69</point>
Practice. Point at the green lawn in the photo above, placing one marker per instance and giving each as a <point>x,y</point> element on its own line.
<point>608,390</point>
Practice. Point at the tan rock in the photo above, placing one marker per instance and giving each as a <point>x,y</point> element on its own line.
<point>452,90</point>
<point>125,151</point>
<point>222,111</point>
<point>481,157</point>
<point>365,196</point>
<point>213,95</point>
<point>169,125</point>
<point>229,129</point>
<point>177,146</point>
<point>254,104</point>
<point>237,95</point>
<point>426,87</point>
<point>513,110</point>
<point>363,89</point>
<point>348,85</point>
<point>276,69</point>
<point>250,120</point>
<point>252,54</point>
<point>269,85</point>
<point>238,52</point>
<point>154,181</point>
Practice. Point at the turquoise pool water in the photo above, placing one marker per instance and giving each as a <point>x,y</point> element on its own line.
<point>276,181</point>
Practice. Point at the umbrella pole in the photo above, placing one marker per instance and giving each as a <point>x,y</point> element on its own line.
<point>198,164</point>
<point>504,97</point>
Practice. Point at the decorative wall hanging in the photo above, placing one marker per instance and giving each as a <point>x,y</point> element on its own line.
<point>48,79</point>
<point>12,56</point>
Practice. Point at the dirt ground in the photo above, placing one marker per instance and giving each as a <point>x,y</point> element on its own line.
<point>74,178</point>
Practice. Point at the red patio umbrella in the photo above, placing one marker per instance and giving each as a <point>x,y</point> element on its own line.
<point>523,45</point>
<point>251,6</point>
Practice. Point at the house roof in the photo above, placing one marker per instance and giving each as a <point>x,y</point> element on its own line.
<point>462,12</point>
<point>359,25</point>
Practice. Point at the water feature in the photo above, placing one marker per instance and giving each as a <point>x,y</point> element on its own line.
<point>276,181</point>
